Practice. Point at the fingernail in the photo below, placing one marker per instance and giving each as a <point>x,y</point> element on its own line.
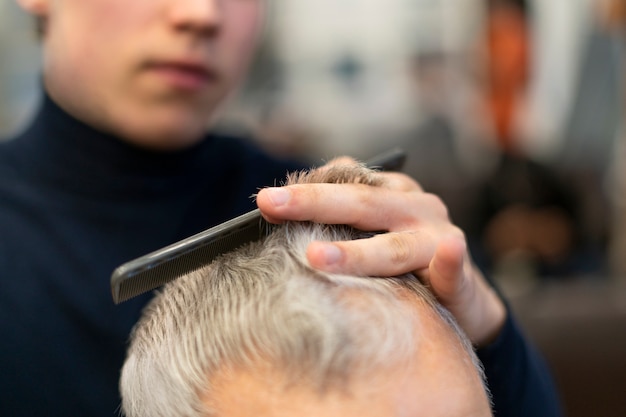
<point>278,196</point>
<point>332,254</point>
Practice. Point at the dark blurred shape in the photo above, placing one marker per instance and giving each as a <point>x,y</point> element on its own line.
<point>529,210</point>
<point>522,5</point>
<point>348,68</point>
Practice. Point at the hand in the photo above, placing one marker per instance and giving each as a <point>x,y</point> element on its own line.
<point>420,238</point>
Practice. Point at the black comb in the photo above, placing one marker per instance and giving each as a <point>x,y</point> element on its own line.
<point>164,265</point>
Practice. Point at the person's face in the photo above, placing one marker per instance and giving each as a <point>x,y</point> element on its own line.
<point>440,382</point>
<point>150,71</point>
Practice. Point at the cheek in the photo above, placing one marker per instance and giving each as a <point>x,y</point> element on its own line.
<point>245,20</point>
<point>105,26</point>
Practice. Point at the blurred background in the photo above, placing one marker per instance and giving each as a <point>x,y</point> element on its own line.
<point>510,110</point>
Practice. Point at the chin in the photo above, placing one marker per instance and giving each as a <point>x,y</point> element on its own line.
<point>161,137</point>
<point>170,130</point>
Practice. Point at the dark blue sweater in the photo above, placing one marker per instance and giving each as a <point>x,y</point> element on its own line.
<point>74,204</point>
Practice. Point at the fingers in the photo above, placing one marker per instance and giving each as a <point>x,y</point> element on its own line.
<point>400,182</point>
<point>322,203</point>
<point>392,180</point>
<point>419,238</point>
<point>319,202</point>
<point>385,255</point>
<point>361,206</point>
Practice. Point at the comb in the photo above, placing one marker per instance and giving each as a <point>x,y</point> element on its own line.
<point>157,268</point>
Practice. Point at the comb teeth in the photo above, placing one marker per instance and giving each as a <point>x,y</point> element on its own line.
<point>146,273</point>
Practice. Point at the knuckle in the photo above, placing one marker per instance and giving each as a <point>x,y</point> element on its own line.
<point>399,181</point>
<point>457,232</point>
<point>306,193</point>
<point>437,205</point>
<point>401,250</point>
<point>304,200</point>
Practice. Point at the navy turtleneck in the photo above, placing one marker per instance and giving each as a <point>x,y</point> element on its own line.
<point>74,204</point>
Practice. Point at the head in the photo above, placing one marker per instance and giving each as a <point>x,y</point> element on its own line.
<point>151,72</point>
<point>258,332</point>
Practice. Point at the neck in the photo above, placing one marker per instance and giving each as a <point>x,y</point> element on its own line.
<point>65,150</point>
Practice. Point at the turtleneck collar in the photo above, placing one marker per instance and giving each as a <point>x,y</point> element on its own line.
<point>64,151</point>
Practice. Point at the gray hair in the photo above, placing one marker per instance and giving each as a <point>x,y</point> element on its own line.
<point>264,303</point>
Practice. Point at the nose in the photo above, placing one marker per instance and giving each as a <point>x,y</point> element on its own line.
<point>200,16</point>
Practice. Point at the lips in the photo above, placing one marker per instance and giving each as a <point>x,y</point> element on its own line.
<point>183,75</point>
